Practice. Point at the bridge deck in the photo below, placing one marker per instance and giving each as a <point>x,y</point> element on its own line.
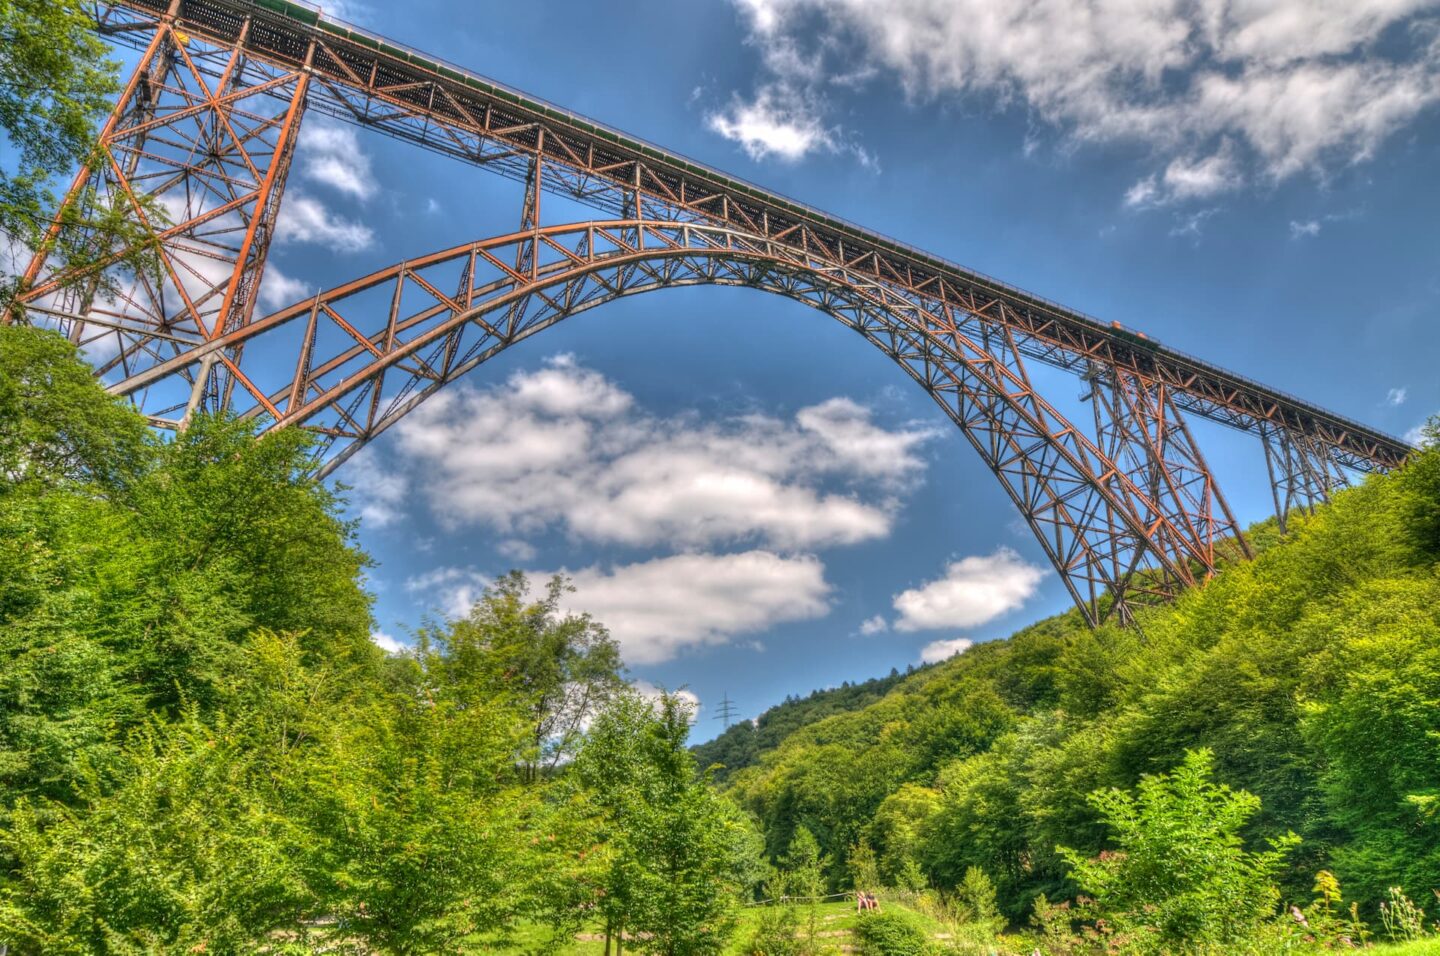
<point>374,81</point>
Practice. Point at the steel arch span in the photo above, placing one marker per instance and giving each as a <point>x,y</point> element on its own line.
<point>198,148</point>
<point>368,352</point>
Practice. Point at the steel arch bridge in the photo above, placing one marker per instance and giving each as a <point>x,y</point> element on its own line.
<point>197,150</point>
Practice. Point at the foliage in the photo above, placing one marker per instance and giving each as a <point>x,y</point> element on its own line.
<point>1404,922</point>
<point>202,751</point>
<point>675,858</point>
<point>864,870</point>
<point>890,932</point>
<point>1310,674</point>
<point>560,668</point>
<point>56,427</point>
<point>976,899</point>
<point>741,744</point>
<point>784,930</point>
<point>803,867</point>
<point>1179,871</point>
<point>56,82</point>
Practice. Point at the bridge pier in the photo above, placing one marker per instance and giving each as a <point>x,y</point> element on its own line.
<point>195,156</point>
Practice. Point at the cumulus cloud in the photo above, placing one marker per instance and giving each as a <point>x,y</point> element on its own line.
<point>516,550</point>
<point>387,643</point>
<point>656,609</point>
<point>1306,229</point>
<point>278,290</point>
<point>564,447</point>
<point>874,625</point>
<point>974,590</point>
<point>451,590</point>
<point>654,692</point>
<point>1396,397</point>
<point>940,650</point>
<point>1416,435</point>
<point>331,155</point>
<point>1222,91</point>
<point>773,124</point>
<point>377,494</point>
<point>1188,178</point>
<point>307,220</point>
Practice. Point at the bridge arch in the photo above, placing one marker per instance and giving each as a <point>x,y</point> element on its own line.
<point>360,368</point>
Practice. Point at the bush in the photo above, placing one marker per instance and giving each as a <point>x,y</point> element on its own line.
<point>779,932</point>
<point>890,934</point>
<point>1180,876</point>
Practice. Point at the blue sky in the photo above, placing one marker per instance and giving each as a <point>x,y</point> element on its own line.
<point>756,502</point>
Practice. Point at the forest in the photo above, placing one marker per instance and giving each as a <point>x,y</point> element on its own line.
<point>202,751</point>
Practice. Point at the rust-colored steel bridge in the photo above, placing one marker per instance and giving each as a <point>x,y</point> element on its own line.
<point>198,148</point>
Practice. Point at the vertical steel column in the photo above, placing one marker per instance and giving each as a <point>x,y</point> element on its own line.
<point>1139,427</point>
<point>1302,473</point>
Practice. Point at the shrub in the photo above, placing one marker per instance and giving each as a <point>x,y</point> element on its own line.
<point>1180,876</point>
<point>890,934</point>
<point>779,932</point>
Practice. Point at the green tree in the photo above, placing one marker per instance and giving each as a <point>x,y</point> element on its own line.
<point>185,847</point>
<point>675,857</point>
<point>1372,711</point>
<point>56,427</point>
<point>804,867</point>
<point>420,826</point>
<point>1179,875</point>
<point>56,82</point>
<point>560,668</point>
<point>863,867</point>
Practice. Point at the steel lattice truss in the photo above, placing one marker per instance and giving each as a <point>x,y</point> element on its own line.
<point>199,146</point>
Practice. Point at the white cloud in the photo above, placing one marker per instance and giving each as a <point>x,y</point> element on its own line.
<point>453,591</point>
<point>1143,193</point>
<point>940,650</point>
<point>773,124</point>
<point>516,550</point>
<point>347,10</point>
<point>387,643</point>
<point>656,609</point>
<point>1416,435</point>
<point>306,219</point>
<point>1191,224</point>
<point>564,447</point>
<point>330,154</point>
<point>377,494</point>
<point>1304,230</point>
<point>874,625</point>
<point>1188,178</point>
<point>1396,397</point>
<point>1221,91</point>
<point>278,290</point>
<point>653,692</point>
<point>973,591</point>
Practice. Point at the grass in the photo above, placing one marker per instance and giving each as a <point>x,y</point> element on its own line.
<point>1420,947</point>
<point>834,921</point>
